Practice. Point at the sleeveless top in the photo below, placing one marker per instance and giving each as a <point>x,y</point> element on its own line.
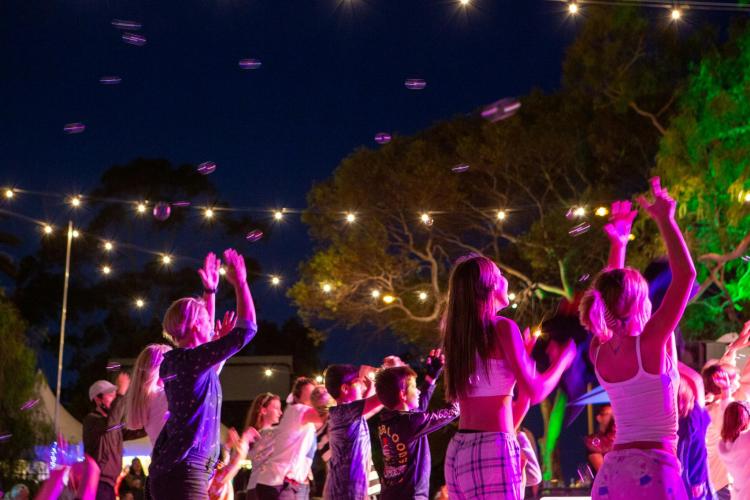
<point>645,406</point>
<point>498,380</point>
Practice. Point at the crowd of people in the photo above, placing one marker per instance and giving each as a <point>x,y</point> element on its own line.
<point>669,432</point>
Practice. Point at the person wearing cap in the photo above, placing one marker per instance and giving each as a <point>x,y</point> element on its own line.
<point>104,432</point>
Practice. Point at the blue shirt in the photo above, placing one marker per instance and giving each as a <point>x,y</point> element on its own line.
<point>351,456</point>
<point>191,433</point>
<point>691,450</point>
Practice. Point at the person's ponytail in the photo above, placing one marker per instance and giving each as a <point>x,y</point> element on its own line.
<point>593,315</point>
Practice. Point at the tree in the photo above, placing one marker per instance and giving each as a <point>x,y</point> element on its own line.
<point>704,159</point>
<point>20,424</point>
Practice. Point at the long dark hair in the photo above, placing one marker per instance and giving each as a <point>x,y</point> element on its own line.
<point>467,326</point>
<point>253,415</point>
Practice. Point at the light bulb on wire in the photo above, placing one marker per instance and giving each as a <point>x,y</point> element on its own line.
<point>9,193</point>
<point>572,8</point>
<point>278,214</point>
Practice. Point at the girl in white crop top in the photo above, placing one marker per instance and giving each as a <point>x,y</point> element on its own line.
<point>634,358</point>
<point>485,357</point>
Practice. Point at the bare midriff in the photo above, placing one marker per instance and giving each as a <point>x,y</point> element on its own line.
<point>486,414</point>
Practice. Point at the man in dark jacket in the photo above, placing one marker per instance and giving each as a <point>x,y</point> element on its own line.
<point>104,432</point>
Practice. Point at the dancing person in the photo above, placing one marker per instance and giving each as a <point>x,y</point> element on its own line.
<point>70,482</point>
<point>723,384</point>
<point>186,450</point>
<point>103,432</point>
<point>264,414</point>
<point>485,356</point>
<point>634,357</point>
<point>134,481</point>
<point>734,447</point>
<point>322,402</point>
<point>691,434</point>
<point>404,426</point>
<point>600,443</point>
<point>146,402</point>
<point>349,436</point>
<point>221,487</point>
<point>531,471</point>
<point>285,474</point>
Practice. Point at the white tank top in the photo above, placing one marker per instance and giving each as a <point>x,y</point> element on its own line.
<point>293,449</point>
<point>645,406</point>
<point>498,381</point>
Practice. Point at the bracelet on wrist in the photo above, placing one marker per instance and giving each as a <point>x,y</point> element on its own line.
<point>210,290</point>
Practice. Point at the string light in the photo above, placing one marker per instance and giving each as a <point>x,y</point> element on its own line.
<point>275,280</point>
<point>512,296</point>
<point>602,212</point>
<point>319,379</point>
<point>747,197</point>
<point>326,287</point>
<point>423,296</point>
<point>108,246</point>
<point>208,213</point>
<point>389,299</point>
<point>222,270</point>
<point>278,214</point>
<point>425,218</point>
<point>501,215</point>
<point>464,3</point>
<point>267,372</point>
<point>9,193</point>
<point>375,294</point>
<point>579,212</point>
<point>675,14</point>
<point>139,303</point>
<point>106,269</point>
<point>514,306</point>
<point>75,233</point>
<point>631,237</point>
<point>350,217</point>
<point>47,229</point>
<point>537,333</point>
<point>75,201</point>
<point>166,259</point>
<point>572,8</point>
<point>141,208</point>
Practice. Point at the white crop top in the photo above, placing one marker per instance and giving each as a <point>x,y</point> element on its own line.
<point>498,381</point>
<point>645,406</point>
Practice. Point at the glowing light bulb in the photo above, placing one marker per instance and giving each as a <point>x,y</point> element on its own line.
<point>208,213</point>
<point>9,193</point>
<point>47,229</point>
<point>501,215</point>
<point>423,296</point>
<point>375,294</point>
<point>278,215</point>
<point>268,372</point>
<point>166,259</point>
<point>389,299</point>
<point>275,280</point>
<point>537,333</point>
<point>141,208</point>
<point>464,2</point>
<point>222,271</point>
<point>602,212</point>
<point>106,269</point>
<point>631,237</point>
<point>675,14</point>
<point>512,296</point>
<point>75,233</point>
<point>573,8</point>
<point>514,306</point>
<point>319,379</point>
<point>75,201</point>
<point>350,217</point>
<point>139,303</point>
<point>327,288</point>
<point>425,218</point>
<point>579,212</point>
<point>108,246</point>
<point>747,197</point>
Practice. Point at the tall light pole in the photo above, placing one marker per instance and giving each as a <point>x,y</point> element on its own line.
<point>63,317</point>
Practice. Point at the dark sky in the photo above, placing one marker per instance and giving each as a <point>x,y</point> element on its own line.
<point>332,76</point>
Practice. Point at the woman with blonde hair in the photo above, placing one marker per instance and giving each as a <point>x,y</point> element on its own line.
<point>485,356</point>
<point>634,357</point>
<point>734,447</point>
<point>145,399</point>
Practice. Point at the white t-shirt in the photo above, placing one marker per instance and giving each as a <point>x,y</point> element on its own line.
<point>293,449</point>
<point>717,471</point>
<point>736,457</point>
<point>158,413</point>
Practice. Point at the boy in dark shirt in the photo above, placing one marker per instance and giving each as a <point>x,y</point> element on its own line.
<point>405,424</point>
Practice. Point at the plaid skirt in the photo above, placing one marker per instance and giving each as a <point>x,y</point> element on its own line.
<point>633,474</point>
<point>483,465</point>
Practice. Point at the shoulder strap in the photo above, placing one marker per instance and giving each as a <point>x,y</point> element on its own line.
<point>638,353</point>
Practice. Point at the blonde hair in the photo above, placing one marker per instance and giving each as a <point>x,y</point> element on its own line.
<point>144,384</point>
<point>617,301</point>
<point>467,326</point>
<point>685,398</point>
<point>322,401</point>
<point>261,401</point>
<point>181,316</point>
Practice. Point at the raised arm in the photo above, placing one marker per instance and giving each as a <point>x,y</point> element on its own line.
<point>665,319</point>
<point>618,232</point>
<point>537,385</point>
<point>209,274</point>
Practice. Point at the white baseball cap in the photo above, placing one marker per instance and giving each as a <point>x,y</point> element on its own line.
<point>101,387</point>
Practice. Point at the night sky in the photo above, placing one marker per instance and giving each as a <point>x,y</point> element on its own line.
<point>332,76</point>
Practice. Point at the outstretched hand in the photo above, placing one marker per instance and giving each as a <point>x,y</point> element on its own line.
<point>236,272</point>
<point>435,362</point>
<point>663,206</point>
<point>226,325</point>
<point>209,273</point>
<point>620,222</point>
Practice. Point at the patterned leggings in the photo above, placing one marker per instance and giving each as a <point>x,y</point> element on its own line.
<point>483,465</point>
<point>639,474</point>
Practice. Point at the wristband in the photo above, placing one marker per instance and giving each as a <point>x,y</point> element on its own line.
<point>210,290</point>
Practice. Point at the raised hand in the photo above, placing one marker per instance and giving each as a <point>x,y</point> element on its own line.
<point>529,340</point>
<point>620,222</point>
<point>435,362</point>
<point>209,273</point>
<point>663,206</point>
<point>226,325</point>
<point>236,272</point>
